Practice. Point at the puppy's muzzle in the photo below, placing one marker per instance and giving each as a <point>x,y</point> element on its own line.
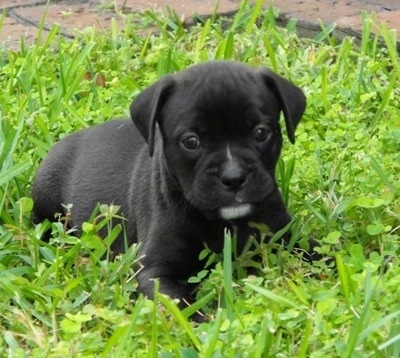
<point>233,178</point>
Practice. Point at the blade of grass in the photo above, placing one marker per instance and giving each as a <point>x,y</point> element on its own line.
<point>42,25</point>
<point>390,38</point>
<point>119,339</point>
<point>385,100</point>
<point>211,343</point>
<point>239,15</point>
<point>324,88</point>
<point>391,342</point>
<point>173,309</point>
<point>215,13</point>
<point>342,58</point>
<point>361,321</point>
<point>285,170</point>
<point>227,265</point>
<point>198,305</point>
<point>325,34</point>
<point>298,292</point>
<point>154,328</point>
<point>376,325</point>
<point>200,43</point>
<point>393,349</point>
<point>7,174</point>
<point>305,340</point>
<point>264,340</point>
<point>271,52</point>
<point>344,277</point>
<point>378,170</point>
<point>11,342</point>
<point>367,21</point>
<point>273,296</point>
<point>255,13</point>
<point>228,50</point>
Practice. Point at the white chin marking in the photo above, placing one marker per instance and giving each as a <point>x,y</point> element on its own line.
<point>235,212</point>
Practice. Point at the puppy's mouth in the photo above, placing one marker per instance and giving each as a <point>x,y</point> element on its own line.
<point>235,211</point>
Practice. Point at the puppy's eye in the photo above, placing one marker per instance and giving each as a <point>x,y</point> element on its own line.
<point>191,142</point>
<point>262,134</point>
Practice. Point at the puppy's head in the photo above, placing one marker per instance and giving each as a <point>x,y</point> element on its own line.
<point>220,133</point>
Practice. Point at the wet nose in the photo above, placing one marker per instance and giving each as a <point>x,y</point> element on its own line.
<point>233,177</point>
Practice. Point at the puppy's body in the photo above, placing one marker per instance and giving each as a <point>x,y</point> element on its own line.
<point>199,156</point>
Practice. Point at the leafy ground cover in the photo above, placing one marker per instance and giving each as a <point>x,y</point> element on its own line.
<point>340,180</point>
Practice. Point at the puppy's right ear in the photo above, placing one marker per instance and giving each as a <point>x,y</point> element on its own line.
<point>147,106</point>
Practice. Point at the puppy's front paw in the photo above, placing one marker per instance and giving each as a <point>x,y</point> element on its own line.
<point>174,288</point>
<point>312,255</point>
<point>199,317</point>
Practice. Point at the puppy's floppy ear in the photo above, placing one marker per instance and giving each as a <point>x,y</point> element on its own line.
<point>147,106</point>
<point>290,97</point>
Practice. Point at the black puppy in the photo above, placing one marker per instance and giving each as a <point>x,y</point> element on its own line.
<point>199,156</point>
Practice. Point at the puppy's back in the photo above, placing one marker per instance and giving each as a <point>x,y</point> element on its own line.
<point>86,165</point>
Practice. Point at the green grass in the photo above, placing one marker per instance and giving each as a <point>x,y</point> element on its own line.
<point>340,180</point>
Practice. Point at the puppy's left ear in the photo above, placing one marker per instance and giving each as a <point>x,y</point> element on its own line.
<point>147,106</point>
<point>290,97</point>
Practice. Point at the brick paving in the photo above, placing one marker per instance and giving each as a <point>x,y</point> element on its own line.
<point>22,17</point>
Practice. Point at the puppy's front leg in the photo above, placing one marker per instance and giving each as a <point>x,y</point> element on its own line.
<point>170,286</point>
<point>174,287</point>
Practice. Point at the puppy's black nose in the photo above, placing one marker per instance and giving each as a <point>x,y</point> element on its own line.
<point>233,177</point>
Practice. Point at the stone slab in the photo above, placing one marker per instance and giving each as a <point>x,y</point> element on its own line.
<point>12,31</point>
<point>24,15</point>
<point>70,17</point>
<point>391,18</point>
<point>185,8</point>
<point>9,4</point>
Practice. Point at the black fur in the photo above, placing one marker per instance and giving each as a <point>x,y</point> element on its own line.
<point>198,155</point>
